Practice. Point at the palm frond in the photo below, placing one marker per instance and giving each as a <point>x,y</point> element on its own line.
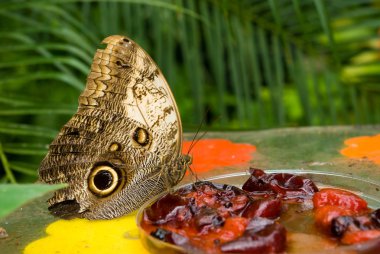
<point>248,64</point>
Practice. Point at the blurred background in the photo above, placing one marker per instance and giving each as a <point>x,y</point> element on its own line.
<point>238,64</point>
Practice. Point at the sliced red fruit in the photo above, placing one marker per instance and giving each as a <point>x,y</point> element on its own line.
<point>341,198</point>
<point>324,215</point>
<point>261,236</point>
<point>266,208</point>
<point>170,208</point>
<point>284,185</point>
<point>233,228</point>
<point>360,236</point>
<point>342,225</point>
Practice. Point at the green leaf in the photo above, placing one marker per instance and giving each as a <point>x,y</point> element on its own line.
<point>43,60</point>
<point>24,168</point>
<point>26,130</point>
<point>14,195</point>
<point>4,161</point>
<point>325,23</point>
<point>44,110</point>
<point>25,148</point>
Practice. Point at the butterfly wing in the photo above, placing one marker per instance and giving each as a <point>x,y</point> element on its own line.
<point>123,145</point>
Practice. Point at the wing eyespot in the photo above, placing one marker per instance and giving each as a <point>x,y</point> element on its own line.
<point>114,147</point>
<point>122,65</point>
<point>141,136</point>
<point>73,133</point>
<point>103,180</point>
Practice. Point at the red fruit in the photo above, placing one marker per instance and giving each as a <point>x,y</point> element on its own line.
<point>324,215</point>
<point>266,208</point>
<point>233,228</point>
<point>347,224</point>
<point>360,236</point>
<point>261,236</point>
<point>169,208</point>
<point>284,185</point>
<point>341,198</point>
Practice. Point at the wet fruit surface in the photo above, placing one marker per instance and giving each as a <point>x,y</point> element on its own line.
<point>216,218</point>
<point>324,216</point>
<point>341,198</point>
<point>261,236</point>
<point>346,216</point>
<point>285,186</point>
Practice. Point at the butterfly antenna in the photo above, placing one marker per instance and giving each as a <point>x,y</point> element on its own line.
<point>193,174</point>
<point>195,139</point>
<point>199,139</point>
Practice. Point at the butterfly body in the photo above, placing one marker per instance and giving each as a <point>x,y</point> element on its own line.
<point>123,145</point>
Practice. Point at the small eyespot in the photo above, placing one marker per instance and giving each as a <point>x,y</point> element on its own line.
<point>141,136</point>
<point>73,133</point>
<point>121,64</point>
<point>124,41</point>
<point>114,147</point>
<point>103,180</point>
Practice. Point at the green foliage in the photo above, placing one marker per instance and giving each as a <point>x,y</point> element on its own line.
<point>238,64</point>
<point>14,195</point>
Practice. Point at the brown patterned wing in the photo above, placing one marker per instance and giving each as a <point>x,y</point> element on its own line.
<point>124,143</point>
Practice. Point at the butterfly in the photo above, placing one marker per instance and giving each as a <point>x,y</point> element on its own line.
<point>123,145</point>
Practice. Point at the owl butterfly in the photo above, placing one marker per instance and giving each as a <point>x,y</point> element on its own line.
<point>123,145</point>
